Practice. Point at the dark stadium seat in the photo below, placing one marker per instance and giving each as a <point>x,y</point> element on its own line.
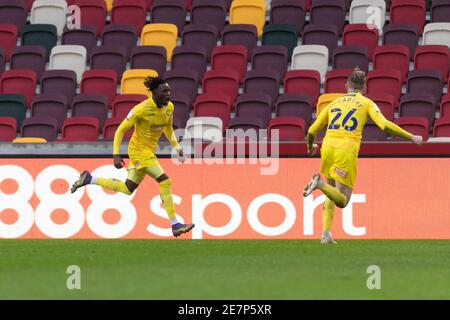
<point>44,35</point>
<point>409,12</point>
<point>14,106</point>
<point>294,105</point>
<point>288,12</point>
<point>230,57</point>
<point>8,38</point>
<point>392,56</point>
<point>270,57</point>
<point>303,82</point>
<point>93,13</point>
<point>21,82</point>
<point>361,35</point>
<point>109,57</point>
<point>60,81</point>
<point>169,11</point>
<point>371,132</point>
<point>8,129</point>
<point>182,109</point>
<point>290,128</point>
<point>2,60</point>
<point>40,127</point>
<point>204,35</point>
<point>29,4</point>
<point>13,12</point>
<point>189,57</point>
<point>245,123</point>
<point>329,11</point>
<point>86,36</point>
<point>183,82</point>
<point>440,11</point>
<point>90,105</point>
<point>349,57</point>
<point>404,34</point>
<point>209,12</point>
<point>132,12</point>
<point>386,81</point>
<point>425,81</point>
<point>280,34</point>
<point>122,104</point>
<point>241,34</point>
<point>50,105</point>
<point>100,81</point>
<point>336,79</point>
<point>149,57</point>
<point>213,105</point>
<point>120,35</point>
<point>415,125</point>
<point>418,105</point>
<point>255,105</point>
<point>221,81</point>
<point>110,128</point>
<point>80,129</point>
<point>435,57</point>
<point>322,34</point>
<point>262,81</point>
<point>30,58</point>
<point>441,127</point>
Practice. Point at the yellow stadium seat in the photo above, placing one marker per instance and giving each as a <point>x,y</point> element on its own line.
<point>160,34</point>
<point>29,140</point>
<point>325,99</point>
<point>109,5</point>
<point>249,12</point>
<point>133,81</point>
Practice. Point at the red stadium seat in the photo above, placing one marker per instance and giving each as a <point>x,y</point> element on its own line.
<point>361,35</point>
<point>110,127</point>
<point>19,82</point>
<point>303,82</point>
<point>80,129</point>
<point>8,129</point>
<point>100,81</point>
<point>442,127</point>
<point>213,105</point>
<point>385,102</point>
<point>435,57</point>
<point>228,57</point>
<point>335,80</point>
<point>8,38</point>
<point>132,12</point>
<point>415,125</point>
<point>409,12</point>
<point>122,104</point>
<point>290,128</point>
<point>93,12</point>
<point>221,81</point>
<point>392,56</point>
<point>445,106</point>
<point>386,81</point>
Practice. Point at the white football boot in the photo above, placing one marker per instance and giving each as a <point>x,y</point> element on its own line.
<point>327,238</point>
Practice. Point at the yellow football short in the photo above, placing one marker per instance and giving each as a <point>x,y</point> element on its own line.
<point>143,163</point>
<point>339,164</point>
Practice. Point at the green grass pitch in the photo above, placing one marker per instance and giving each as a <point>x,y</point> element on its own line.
<point>224,269</point>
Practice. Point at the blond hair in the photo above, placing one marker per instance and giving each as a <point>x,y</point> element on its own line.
<point>357,80</point>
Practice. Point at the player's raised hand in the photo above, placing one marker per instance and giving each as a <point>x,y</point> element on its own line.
<point>119,163</point>
<point>313,150</point>
<point>417,140</point>
<point>180,156</point>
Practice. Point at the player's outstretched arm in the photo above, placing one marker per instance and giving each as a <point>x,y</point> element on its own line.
<point>118,136</point>
<point>319,123</point>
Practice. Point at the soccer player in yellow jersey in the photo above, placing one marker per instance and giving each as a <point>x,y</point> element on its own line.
<point>150,118</point>
<point>345,118</point>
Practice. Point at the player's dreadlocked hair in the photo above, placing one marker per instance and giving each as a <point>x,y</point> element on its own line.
<point>153,82</point>
<point>357,79</point>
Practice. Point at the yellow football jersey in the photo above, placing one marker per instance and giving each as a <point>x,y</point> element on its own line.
<point>149,123</point>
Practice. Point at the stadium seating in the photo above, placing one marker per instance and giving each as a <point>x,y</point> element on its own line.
<point>110,128</point>
<point>440,11</point>
<point>435,57</point>
<point>69,57</point>
<point>280,34</point>
<point>13,106</point>
<point>131,12</point>
<point>270,57</point>
<point>182,109</point>
<point>336,79</point>
<point>93,13</point>
<point>13,12</point>
<point>98,81</point>
<point>91,105</point>
<point>120,35</point>
<point>241,34</point>
<point>254,105</point>
<point>329,12</point>
<point>44,35</point>
<point>325,99</point>
<point>221,81</point>
<point>436,33</point>
<point>243,124</point>
<point>349,57</point>
<point>294,105</point>
<point>322,34</point>
<point>86,36</point>
<point>415,125</point>
<point>371,132</point>
<point>189,57</point>
<point>303,82</point>
<point>311,57</point>
<point>50,12</point>
<point>133,81</point>
<point>262,81</point>
<point>50,105</point>
<point>8,129</point>
<point>364,11</point>
<point>169,11</point>
<point>425,81</point>
<point>122,104</point>
<point>40,127</point>
<point>418,105</point>
<point>213,105</point>
<point>386,81</point>
<point>80,129</point>
<point>204,128</point>
<point>29,140</point>
<point>60,81</point>
<point>21,82</point>
<point>149,57</point>
<point>29,57</point>
<point>408,12</point>
<point>204,35</point>
<point>110,57</point>
<point>230,57</point>
<point>442,127</point>
<point>290,12</point>
<point>361,35</point>
<point>183,82</point>
<point>445,106</point>
<point>249,12</point>
<point>8,38</point>
<point>160,34</point>
<point>394,57</point>
<point>385,102</point>
<point>206,12</point>
<point>403,34</point>
<point>289,128</point>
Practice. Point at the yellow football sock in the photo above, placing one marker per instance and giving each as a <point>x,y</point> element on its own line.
<point>113,184</point>
<point>166,197</point>
<point>334,194</point>
<point>327,215</point>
